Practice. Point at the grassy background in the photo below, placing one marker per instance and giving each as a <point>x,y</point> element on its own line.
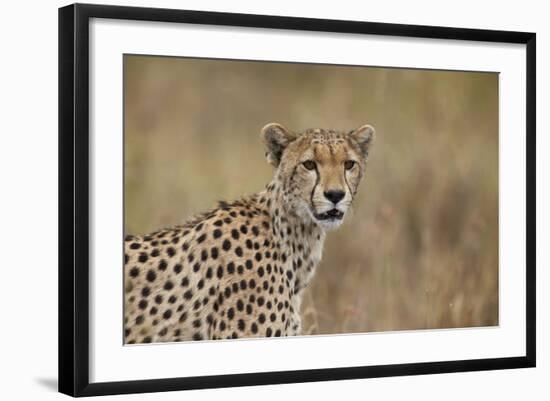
<point>420,248</point>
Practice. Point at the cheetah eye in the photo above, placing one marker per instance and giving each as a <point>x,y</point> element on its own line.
<point>309,164</point>
<point>348,165</point>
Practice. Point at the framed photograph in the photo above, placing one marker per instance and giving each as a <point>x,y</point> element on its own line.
<point>251,199</point>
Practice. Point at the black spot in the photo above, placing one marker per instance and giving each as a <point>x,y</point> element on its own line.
<point>230,313</point>
<point>240,305</point>
<point>196,267</point>
<point>140,319</point>
<point>201,238</point>
<point>183,317</point>
<point>248,309</point>
<point>134,271</point>
<point>135,245</point>
<point>197,323</point>
<point>289,274</point>
<point>261,318</point>
<point>151,276</point>
<point>248,244</point>
<point>243,284</point>
<point>227,220</point>
<point>177,268</point>
<point>172,299</point>
<point>231,267</point>
<point>200,284</point>
<point>214,253</point>
<point>142,257</point>
<point>163,265</point>
<point>163,332</point>
<point>204,255</point>
<point>167,313</point>
<point>168,285</point>
<point>260,271</point>
<point>209,273</point>
<point>217,233</point>
<point>226,245</point>
<point>218,223</point>
<point>278,333</point>
<point>190,258</point>
<point>252,283</point>
<point>188,294</point>
<point>254,328</point>
<point>240,269</point>
<point>184,282</point>
<point>142,304</point>
<point>255,231</point>
<point>241,325</point>
<point>185,246</point>
<point>272,317</point>
<point>239,251</point>
<point>126,259</point>
<point>219,272</point>
<point>235,234</point>
<point>248,264</point>
<point>147,340</point>
<point>268,332</point>
<point>198,227</point>
<point>197,336</point>
<point>258,256</point>
<point>153,311</point>
<point>155,252</point>
<point>244,229</point>
<point>260,301</point>
<point>145,291</point>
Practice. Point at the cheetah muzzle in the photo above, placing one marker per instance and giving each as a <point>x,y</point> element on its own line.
<point>240,269</point>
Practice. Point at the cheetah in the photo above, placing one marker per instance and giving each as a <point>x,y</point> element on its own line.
<point>240,270</point>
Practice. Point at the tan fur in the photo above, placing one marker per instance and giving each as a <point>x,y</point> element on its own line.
<point>240,269</point>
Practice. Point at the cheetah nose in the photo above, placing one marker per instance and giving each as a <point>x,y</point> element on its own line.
<point>334,196</point>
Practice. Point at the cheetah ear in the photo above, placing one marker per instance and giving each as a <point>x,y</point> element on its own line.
<point>276,139</point>
<point>363,137</point>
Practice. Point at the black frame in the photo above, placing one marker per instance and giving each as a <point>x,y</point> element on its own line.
<point>74,191</point>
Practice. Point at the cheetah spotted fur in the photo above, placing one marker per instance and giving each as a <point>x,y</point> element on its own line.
<point>240,270</point>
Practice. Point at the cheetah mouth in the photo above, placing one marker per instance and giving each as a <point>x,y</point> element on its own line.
<point>333,214</point>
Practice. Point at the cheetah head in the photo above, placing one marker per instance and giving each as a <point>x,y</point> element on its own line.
<point>318,171</point>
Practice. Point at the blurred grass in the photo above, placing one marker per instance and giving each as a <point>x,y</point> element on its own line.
<point>420,249</point>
